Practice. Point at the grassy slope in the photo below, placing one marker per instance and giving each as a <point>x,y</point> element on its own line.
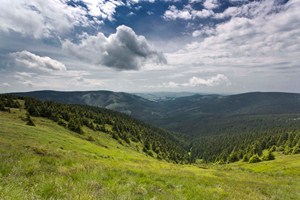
<point>48,161</point>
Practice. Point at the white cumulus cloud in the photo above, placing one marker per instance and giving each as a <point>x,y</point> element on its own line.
<point>39,18</point>
<point>44,19</point>
<point>212,81</point>
<point>102,8</point>
<point>257,37</point>
<point>187,13</point>
<point>30,60</point>
<point>219,79</point>
<point>204,31</point>
<point>123,50</point>
<point>211,4</point>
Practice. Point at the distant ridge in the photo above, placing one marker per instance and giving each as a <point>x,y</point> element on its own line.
<point>197,115</point>
<point>118,101</point>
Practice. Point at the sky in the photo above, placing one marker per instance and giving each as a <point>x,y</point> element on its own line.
<point>205,46</point>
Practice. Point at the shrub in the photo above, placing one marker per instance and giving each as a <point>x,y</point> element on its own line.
<point>273,148</point>
<point>233,157</point>
<point>91,139</point>
<point>61,122</point>
<point>254,159</point>
<point>267,155</point>
<point>75,126</point>
<point>150,153</point>
<point>296,149</point>
<point>29,120</point>
<point>2,108</point>
<point>281,148</point>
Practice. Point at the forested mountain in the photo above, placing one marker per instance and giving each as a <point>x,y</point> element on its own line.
<point>196,115</point>
<point>164,96</point>
<point>118,101</point>
<point>219,128</point>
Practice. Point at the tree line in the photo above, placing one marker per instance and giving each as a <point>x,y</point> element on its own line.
<point>248,147</point>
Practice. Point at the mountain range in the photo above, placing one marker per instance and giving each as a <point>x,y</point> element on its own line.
<point>191,114</point>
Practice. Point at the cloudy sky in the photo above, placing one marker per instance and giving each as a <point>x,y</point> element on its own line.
<point>216,46</point>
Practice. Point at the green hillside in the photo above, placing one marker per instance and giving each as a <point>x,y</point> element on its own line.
<point>48,161</point>
<point>214,128</point>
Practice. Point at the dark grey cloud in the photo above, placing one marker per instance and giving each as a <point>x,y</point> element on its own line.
<point>123,50</point>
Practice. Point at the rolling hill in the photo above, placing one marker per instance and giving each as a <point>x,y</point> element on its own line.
<point>47,160</point>
<point>118,101</point>
<point>216,128</point>
<point>202,115</point>
<point>196,115</point>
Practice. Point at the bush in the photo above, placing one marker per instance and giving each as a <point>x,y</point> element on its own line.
<point>281,148</point>
<point>2,108</point>
<point>233,157</point>
<point>91,139</point>
<point>267,155</point>
<point>29,120</point>
<point>254,159</point>
<point>127,140</point>
<point>287,150</point>
<point>245,158</point>
<point>62,123</point>
<point>150,153</point>
<point>296,149</point>
<point>75,126</point>
<point>273,148</point>
<point>115,136</point>
<point>30,123</point>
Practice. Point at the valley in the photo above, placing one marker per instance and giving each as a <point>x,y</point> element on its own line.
<point>214,128</point>
<point>48,161</point>
<point>194,115</point>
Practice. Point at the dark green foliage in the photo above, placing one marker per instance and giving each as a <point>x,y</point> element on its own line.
<point>272,149</point>
<point>145,149</point>
<point>254,159</point>
<point>33,111</point>
<point>61,122</point>
<point>268,155</point>
<point>74,125</point>
<point>150,153</point>
<point>91,139</point>
<point>8,101</point>
<point>233,157</point>
<point>29,120</point>
<point>231,148</point>
<point>296,149</point>
<point>2,107</point>
<point>115,136</point>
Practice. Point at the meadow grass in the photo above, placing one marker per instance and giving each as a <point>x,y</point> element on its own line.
<point>47,161</point>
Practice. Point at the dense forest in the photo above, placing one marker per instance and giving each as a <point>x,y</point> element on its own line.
<point>249,147</point>
<point>233,138</point>
<point>251,140</point>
